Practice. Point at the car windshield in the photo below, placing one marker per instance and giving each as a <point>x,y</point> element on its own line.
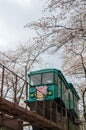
<point>47,78</point>
<point>35,79</point>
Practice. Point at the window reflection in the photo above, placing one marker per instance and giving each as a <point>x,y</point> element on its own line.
<point>47,78</point>
<point>56,79</point>
<point>36,79</point>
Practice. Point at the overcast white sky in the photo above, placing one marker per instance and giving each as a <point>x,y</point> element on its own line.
<point>14,14</point>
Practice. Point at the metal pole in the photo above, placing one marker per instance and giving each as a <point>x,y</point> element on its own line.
<point>44,108</point>
<point>15,90</point>
<point>26,94</point>
<point>83,97</point>
<point>50,110</point>
<point>3,69</point>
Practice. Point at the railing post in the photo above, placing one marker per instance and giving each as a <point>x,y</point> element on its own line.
<point>26,94</point>
<point>3,69</point>
<point>36,107</point>
<point>66,116</point>
<point>44,108</point>
<point>56,113</point>
<point>15,90</point>
<point>62,116</point>
<point>50,110</point>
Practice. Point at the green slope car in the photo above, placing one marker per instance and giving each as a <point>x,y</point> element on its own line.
<point>48,84</point>
<point>51,87</point>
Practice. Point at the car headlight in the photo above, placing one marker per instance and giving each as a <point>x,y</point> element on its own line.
<point>32,95</point>
<point>49,93</point>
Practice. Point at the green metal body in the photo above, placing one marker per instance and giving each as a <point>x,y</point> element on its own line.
<point>73,99</point>
<point>56,88</point>
<point>50,84</point>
